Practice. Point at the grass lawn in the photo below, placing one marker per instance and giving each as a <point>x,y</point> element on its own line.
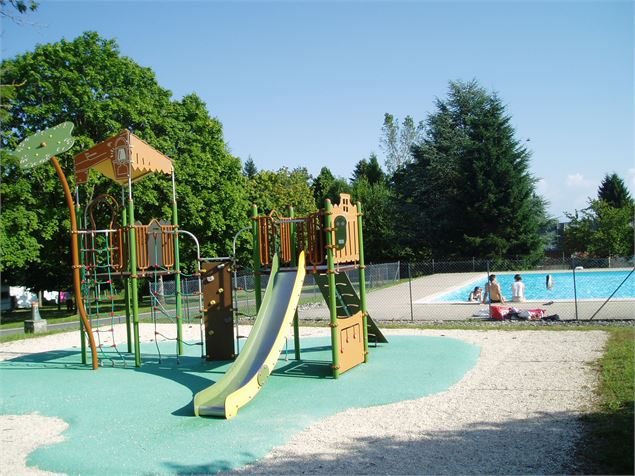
<point>609,442</point>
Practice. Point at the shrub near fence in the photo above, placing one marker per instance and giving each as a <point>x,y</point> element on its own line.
<point>403,291</point>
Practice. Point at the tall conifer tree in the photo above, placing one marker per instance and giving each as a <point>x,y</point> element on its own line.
<point>469,190</point>
<point>613,191</point>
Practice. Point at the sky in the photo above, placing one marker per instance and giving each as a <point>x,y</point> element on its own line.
<point>307,83</point>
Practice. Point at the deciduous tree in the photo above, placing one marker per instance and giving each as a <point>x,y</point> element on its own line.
<point>88,82</point>
<point>397,140</point>
<point>279,190</point>
<point>601,230</point>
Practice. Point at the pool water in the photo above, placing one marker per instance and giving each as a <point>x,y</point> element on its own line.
<point>588,284</point>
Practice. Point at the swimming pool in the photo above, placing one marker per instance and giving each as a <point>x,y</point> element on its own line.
<point>596,285</point>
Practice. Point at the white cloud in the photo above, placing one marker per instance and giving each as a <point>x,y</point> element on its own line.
<point>577,180</point>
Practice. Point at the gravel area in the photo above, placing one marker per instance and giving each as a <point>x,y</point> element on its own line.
<point>515,412</point>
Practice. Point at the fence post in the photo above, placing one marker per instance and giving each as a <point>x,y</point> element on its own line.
<point>575,293</point>
<point>489,293</point>
<point>473,265</point>
<point>412,317</point>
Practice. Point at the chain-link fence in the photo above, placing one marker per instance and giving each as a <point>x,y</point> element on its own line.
<point>163,298</point>
<point>438,290</point>
<point>590,289</point>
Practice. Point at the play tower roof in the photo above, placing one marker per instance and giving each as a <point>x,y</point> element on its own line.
<point>120,155</point>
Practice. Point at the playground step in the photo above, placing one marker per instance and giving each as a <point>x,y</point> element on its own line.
<point>347,301</point>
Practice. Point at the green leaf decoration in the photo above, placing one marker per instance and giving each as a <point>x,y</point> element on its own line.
<point>43,145</point>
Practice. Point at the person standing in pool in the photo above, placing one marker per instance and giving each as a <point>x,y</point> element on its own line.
<point>518,289</point>
<point>493,291</point>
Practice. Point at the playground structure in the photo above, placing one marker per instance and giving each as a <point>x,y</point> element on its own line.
<point>332,242</point>
<point>104,250</point>
<point>326,244</point>
<point>128,250</point>
<point>107,249</point>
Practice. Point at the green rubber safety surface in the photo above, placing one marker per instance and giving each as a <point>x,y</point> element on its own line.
<point>127,420</point>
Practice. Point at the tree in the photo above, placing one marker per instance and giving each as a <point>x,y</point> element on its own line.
<point>376,199</point>
<point>277,190</point>
<point>601,230</point>
<point>468,190</point>
<point>249,169</point>
<point>613,191</point>
<point>326,185</point>
<point>370,170</point>
<point>21,6</point>
<point>396,141</point>
<point>88,82</point>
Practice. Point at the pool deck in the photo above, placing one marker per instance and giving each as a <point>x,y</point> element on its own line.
<point>393,303</point>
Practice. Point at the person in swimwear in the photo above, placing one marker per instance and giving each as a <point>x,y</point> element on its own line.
<point>475,295</point>
<point>493,291</point>
<point>518,289</point>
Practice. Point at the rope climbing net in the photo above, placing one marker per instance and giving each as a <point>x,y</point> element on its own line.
<point>99,291</point>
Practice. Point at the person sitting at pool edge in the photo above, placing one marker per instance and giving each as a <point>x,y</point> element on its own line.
<point>475,295</point>
<point>518,289</point>
<point>493,291</point>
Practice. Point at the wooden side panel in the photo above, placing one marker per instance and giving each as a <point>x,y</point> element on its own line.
<point>350,252</point>
<point>167,245</point>
<point>219,318</point>
<point>313,233</point>
<point>141,236</point>
<point>119,249</point>
<point>351,342</point>
<point>285,242</point>
<point>265,240</point>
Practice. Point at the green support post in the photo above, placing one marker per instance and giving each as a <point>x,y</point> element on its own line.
<point>177,277</point>
<point>362,279</point>
<point>134,283</point>
<point>330,265</point>
<point>294,262</point>
<point>256,257</point>
<point>82,244</point>
<point>126,287</point>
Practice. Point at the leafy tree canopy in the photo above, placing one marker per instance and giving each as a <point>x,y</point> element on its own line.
<point>9,7</point>
<point>88,82</point>
<point>376,199</point>
<point>397,140</point>
<point>279,190</point>
<point>601,230</point>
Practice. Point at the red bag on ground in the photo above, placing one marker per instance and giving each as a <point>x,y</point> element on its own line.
<point>499,312</point>
<point>536,314</point>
